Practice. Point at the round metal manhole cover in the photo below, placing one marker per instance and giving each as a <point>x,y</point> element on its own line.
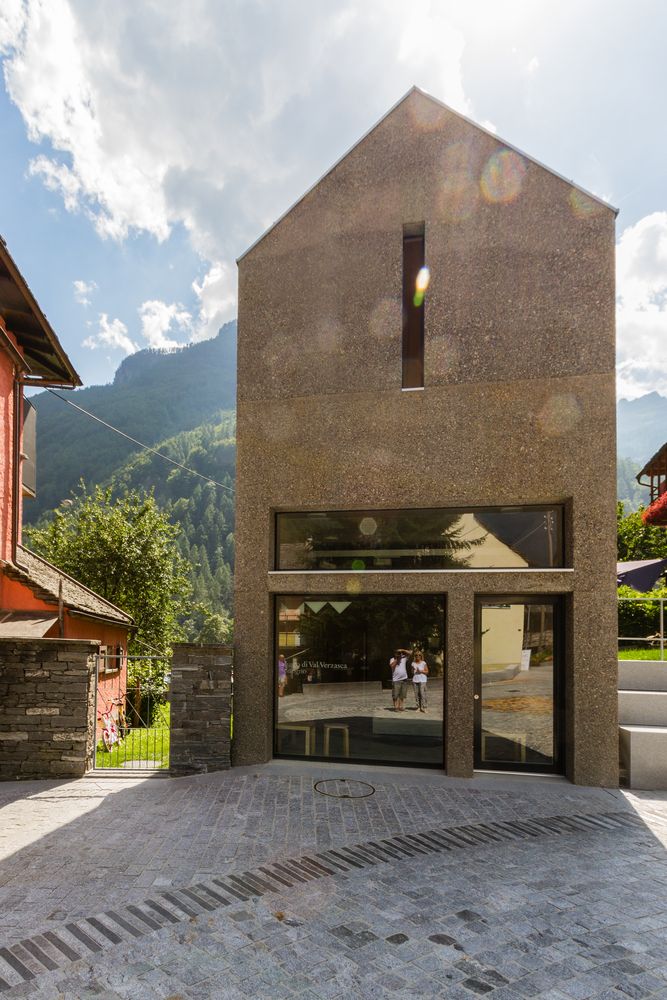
<point>344,788</point>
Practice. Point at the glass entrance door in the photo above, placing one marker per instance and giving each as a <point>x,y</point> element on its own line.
<point>518,683</point>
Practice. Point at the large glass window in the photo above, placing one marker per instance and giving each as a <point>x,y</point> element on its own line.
<point>477,538</point>
<point>518,683</point>
<point>345,677</point>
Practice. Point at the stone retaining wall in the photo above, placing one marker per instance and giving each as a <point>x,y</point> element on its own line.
<point>47,707</point>
<point>201,688</point>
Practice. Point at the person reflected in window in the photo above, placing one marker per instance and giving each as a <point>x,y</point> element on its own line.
<point>282,675</point>
<point>399,678</point>
<point>419,676</point>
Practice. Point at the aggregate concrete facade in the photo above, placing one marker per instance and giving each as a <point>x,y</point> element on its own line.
<point>47,708</point>
<point>518,406</point>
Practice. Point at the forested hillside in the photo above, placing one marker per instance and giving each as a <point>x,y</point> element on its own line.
<point>628,489</point>
<point>154,395</point>
<point>204,511</point>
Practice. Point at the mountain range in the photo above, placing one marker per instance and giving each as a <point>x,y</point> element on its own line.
<point>641,426</point>
<point>154,396</point>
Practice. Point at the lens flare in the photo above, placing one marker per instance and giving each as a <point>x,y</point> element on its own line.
<point>421,284</point>
<point>423,279</point>
<point>560,415</point>
<point>502,177</point>
<point>368,526</point>
<point>353,586</point>
<point>582,206</point>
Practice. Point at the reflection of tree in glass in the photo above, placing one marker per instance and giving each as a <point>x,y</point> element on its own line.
<point>362,540</point>
<point>366,633</point>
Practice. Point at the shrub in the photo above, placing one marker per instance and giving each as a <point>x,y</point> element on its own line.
<point>639,618</point>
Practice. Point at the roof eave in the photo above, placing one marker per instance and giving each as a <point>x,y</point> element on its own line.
<point>70,375</point>
<point>19,362</point>
<point>659,460</point>
<point>107,619</point>
<point>122,615</point>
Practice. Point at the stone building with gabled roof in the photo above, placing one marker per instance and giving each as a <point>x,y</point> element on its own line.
<point>426,338</point>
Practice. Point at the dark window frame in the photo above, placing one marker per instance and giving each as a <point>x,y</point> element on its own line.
<point>412,343</point>
<point>560,509</point>
<point>559,679</point>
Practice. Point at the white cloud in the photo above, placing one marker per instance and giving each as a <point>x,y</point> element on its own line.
<point>429,35</point>
<point>212,118</point>
<point>111,333</point>
<point>158,319</point>
<point>12,20</point>
<point>57,177</point>
<point>82,290</point>
<point>217,299</point>
<point>641,276</point>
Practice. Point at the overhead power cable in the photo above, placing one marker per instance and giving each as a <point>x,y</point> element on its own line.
<point>140,443</point>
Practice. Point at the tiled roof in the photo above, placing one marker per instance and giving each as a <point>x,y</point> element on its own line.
<point>49,583</point>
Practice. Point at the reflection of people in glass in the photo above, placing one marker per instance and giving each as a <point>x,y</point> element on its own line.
<point>399,678</point>
<point>282,675</point>
<point>419,675</point>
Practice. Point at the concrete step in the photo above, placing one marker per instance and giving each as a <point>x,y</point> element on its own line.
<point>408,723</point>
<point>642,708</point>
<point>644,756</point>
<point>642,675</point>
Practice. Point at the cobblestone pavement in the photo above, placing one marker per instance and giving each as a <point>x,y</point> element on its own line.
<point>572,907</point>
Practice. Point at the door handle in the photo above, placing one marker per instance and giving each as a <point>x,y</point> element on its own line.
<point>476,697</point>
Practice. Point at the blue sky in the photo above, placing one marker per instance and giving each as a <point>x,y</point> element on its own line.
<point>147,143</point>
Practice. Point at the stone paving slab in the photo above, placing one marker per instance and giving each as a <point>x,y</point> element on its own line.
<point>27,959</point>
<point>514,921</point>
<point>78,850</point>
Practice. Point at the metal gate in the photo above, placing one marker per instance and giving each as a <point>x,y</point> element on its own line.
<point>132,712</point>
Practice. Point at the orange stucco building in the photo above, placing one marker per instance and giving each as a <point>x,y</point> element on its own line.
<point>37,600</point>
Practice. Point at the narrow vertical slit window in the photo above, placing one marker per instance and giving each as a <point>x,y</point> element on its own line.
<point>414,276</point>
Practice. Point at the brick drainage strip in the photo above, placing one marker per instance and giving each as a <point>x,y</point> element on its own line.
<point>31,957</point>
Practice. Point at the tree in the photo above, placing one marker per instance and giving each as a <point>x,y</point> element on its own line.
<point>637,540</point>
<point>123,548</point>
<point>206,626</point>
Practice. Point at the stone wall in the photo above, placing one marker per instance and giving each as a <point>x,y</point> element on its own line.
<point>47,708</point>
<point>201,688</point>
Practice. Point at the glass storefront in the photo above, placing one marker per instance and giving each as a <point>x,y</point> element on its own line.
<point>518,684</point>
<point>477,538</point>
<point>338,696</point>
